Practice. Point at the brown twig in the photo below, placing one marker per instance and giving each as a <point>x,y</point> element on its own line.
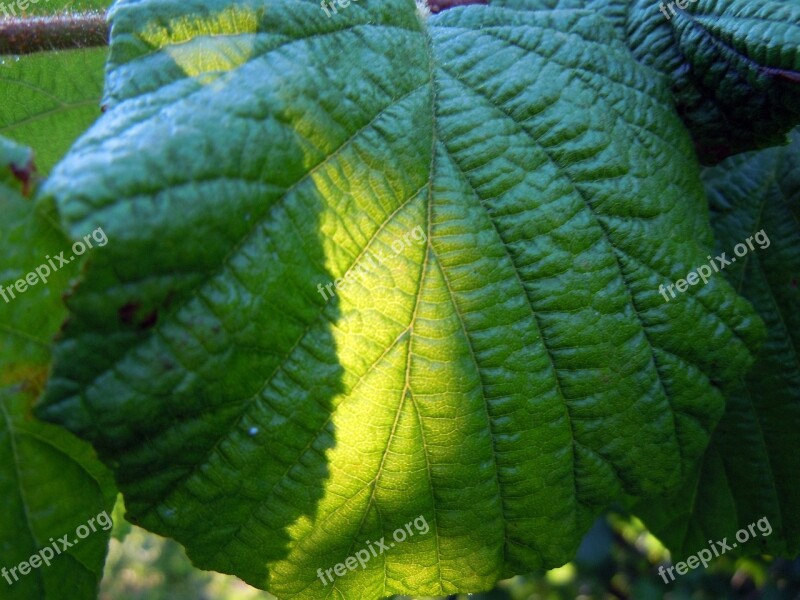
<point>437,6</point>
<point>41,34</point>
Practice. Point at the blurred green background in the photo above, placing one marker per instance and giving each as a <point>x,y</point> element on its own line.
<point>618,559</point>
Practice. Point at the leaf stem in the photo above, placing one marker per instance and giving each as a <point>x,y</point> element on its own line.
<point>58,32</point>
<point>437,6</point>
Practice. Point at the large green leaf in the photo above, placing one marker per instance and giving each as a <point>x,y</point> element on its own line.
<point>751,468</point>
<point>51,483</point>
<point>733,65</point>
<point>503,373</point>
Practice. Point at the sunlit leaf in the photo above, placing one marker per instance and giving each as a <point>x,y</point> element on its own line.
<point>501,193</point>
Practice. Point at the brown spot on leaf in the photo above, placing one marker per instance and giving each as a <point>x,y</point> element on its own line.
<point>129,315</point>
<point>128,312</point>
<point>63,329</point>
<point>25,175</point>
<point>149,321</point>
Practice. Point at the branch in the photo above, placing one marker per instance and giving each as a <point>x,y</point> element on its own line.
<point>438,6</point>
<point>61,32</point>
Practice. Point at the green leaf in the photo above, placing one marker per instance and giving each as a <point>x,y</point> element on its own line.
<point>733,65</point>
<point>506,191</point>
<point>48,99</point>
<point>121,527</point>
<point>735,70</point>
<point>51,7</point>
<point>750,469</point>
<point>51,482</point>
<point>17,170</point>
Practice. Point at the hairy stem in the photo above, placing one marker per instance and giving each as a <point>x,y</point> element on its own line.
<point>438,6</point>
<point>58,32</point>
